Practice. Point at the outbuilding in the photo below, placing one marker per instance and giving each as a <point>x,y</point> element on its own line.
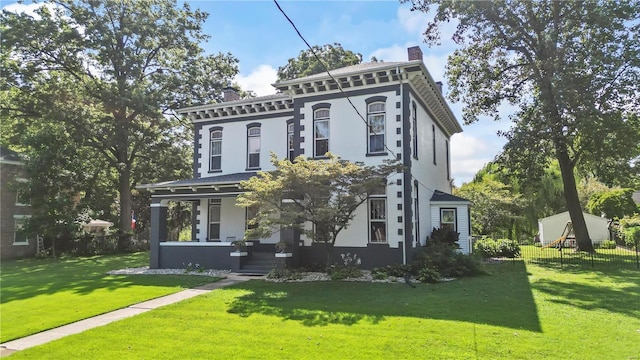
<point>551,228</point>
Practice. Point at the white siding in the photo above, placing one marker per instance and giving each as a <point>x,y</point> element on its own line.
<point>462,219</point>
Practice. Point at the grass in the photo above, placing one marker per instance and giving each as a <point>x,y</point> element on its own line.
<point>515,312</point>
<point>40,294</point>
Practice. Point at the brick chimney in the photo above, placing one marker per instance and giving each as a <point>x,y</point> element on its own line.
<point>415,53</point>
<point>230,94</point>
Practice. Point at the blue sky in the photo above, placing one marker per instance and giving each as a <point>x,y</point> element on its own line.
<point>258,35</point>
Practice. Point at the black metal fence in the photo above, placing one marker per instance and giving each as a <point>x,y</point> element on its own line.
<point>620,257</point>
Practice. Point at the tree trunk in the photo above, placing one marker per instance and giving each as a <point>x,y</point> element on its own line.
<point>583,240</point>
<point>124,238</point>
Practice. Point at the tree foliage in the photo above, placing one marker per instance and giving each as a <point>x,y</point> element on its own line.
<point>323,194</point>
<point>108,71</point>
<point>495,207</point>
<point>614,204</point>
<point>571,68</point>
<point>331,56</point>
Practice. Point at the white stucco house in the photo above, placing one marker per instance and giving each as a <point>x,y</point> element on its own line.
<point>310,116</point>
<point>552,227</point>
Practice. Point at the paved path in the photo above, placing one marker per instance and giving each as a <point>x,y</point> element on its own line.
<point>79,326</point>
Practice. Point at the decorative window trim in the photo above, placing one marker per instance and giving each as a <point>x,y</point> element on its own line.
<point>212,131</point>
<point>376,235</point>
<point>253,134</point>
<point>414,120</point>
<point>375,114</point>
<point>291,146</point>
<point>446,148</point>
<point>433,133</point>
<point>316,139</point>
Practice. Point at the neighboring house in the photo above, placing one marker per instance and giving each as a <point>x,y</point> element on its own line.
<point>636,197</point>
<point>551,228</point>
<point>14,243</point>
<point>310,116</point>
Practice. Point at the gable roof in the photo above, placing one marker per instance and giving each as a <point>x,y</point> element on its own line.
<point>566,214</point>
<point>440,196</point>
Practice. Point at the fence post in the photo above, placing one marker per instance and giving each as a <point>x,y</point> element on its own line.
<point>637,257</point>
<point>591,254</point>
<point>561,259</point>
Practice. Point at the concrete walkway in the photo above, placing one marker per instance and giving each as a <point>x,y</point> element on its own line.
<point>79,326</point>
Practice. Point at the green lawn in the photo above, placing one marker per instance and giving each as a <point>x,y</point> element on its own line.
<point>40,294</point>
<point>516,312</point>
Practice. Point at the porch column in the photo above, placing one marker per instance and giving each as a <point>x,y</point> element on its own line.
<point>158,231</point>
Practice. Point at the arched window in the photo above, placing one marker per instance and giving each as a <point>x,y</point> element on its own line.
<point>376,119</point>
<point>320,132</point>
<point>253,147</point>
<point>215,149</point>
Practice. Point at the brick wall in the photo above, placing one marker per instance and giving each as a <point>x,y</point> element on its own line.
<point>8,213</point>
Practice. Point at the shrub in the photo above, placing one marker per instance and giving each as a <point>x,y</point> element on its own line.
<point>428,275</point>
<point>284,274</point>
<point>397,270</point>
<point>507,248</point>
<point>608,244</point>
<point>488,248</point>
<point>632,236</point>
<point>485,247</point>
<point>345,272</point>
<point>447,261</point>
<point>444,236</point>
<point>379,274</point>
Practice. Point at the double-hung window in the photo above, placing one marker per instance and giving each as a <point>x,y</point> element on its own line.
<point>377,220</point>
<point>290,144</point>
<point>448,219</point>
<point>320,132</point>
<point>414,138</point>
<point>253,147</point>
<point>215,149</point>
<point>214,219</point>
<point>376,127</point>
<point>20,235</point>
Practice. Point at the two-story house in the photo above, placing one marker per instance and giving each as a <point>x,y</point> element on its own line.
<point>14,210</point>
<point>408,120</point>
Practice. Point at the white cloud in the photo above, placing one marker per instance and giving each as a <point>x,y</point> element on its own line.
<point>468,155</point>
<point>29,9</point>
<point>259,80</point>
<point>412,21</point>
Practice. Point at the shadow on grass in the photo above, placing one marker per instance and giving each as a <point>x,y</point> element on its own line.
<point>502,298</point>
<point>23,279</point>
<point>619,296</point>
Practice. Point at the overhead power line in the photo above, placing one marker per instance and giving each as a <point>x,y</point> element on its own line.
<point>326,69</point>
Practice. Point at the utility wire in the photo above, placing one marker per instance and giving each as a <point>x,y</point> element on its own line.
<point>326,69</point>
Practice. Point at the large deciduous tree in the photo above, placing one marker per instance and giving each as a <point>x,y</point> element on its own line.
<point>324,194</point>
<point>572,69</point>
<point>120,66</point>
<point>331,57</point>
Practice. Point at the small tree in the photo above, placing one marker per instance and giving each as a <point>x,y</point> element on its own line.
<point>331,56</point>
<point>324,194</point>
<point>615,203</point>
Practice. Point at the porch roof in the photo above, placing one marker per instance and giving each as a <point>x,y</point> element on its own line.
<point>440,196</point>
<point>211,182</point>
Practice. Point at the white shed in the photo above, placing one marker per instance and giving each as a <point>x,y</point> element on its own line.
<point>551,228</point>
